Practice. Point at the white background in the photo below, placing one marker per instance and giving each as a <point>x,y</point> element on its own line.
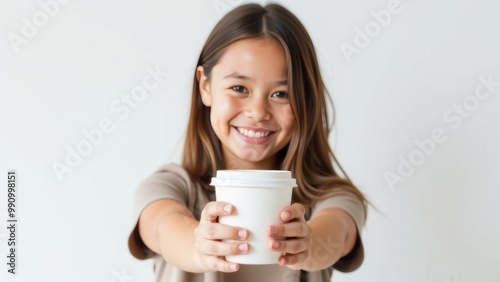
<point>441,223</point>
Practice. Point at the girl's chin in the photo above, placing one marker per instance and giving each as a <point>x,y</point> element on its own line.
<point>245,158</point>
<point>255,163</point>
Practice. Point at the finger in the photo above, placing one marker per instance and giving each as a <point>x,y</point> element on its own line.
<point>293,246</point>
<point>291,229</point>
<point>221,265</point>
<point>292,259</point>
<point>294,211</point>
<point>213,209</point>
<point>217,248</point>
<point>217,231</point>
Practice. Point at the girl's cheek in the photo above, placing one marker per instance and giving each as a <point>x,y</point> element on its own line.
<point>285,115</point>
<point>227,104</point>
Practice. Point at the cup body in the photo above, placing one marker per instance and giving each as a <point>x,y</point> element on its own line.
<point>258,197</point>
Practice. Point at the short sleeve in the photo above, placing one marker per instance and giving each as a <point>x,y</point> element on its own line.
<point>169,182</point>
<point>352,205</point>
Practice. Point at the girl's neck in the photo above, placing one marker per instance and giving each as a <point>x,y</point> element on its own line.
<point>268,164</point>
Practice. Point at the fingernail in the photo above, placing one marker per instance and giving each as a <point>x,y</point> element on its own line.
<point>286,215</point>
<point>232,266</point>
<point>243,247</point>
<point>227,208</point>
<point>273,230</point>
<point>242,234</point>
<point>276,245</point>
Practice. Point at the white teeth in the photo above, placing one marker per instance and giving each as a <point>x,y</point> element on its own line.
<point>253,134</point>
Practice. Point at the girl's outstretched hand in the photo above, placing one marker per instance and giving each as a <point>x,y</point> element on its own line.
<point>210,251</point>
<point>296,243</point>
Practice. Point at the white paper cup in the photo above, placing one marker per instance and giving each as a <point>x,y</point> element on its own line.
<point>258,197</point>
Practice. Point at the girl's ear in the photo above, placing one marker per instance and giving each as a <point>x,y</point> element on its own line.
<point>204,86</point>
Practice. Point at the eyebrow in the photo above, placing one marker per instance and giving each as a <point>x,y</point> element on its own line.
<point>237,75</point>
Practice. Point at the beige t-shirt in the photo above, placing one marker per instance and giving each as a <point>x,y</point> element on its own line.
<point>171,181</point>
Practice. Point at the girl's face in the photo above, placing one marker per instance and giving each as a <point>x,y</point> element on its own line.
<point>250,108</point>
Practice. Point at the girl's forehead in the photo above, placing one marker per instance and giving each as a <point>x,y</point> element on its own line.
<point>265,54</point>
<point>254,45</point>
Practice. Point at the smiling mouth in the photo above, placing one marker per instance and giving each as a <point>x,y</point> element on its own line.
<point>253,134</point>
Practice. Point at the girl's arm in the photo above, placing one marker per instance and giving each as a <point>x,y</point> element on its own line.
<point>314,245</point>
<point>333,236</point>
<point>169,228</point>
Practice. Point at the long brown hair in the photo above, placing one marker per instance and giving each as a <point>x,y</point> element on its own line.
<point>308,155</point>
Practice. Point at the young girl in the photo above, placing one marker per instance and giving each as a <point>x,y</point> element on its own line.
<point>258,102</point>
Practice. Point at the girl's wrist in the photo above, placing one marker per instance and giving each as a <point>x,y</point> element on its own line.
<point>197,261</point>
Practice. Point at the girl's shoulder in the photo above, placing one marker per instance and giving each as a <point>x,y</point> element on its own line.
<point>171,168</point>
<point>172,181</point>
<point>172,173</point>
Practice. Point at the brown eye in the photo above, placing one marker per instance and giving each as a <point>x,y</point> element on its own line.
<point>280,94</point>
<point>239,88</point>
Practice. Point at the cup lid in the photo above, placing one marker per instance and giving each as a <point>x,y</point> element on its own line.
<point>253,178</point>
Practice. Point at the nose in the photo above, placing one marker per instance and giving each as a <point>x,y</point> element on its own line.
<point>257,108</point>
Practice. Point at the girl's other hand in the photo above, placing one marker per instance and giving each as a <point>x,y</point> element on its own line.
<point>296,243</point>
<point>209,233</point>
